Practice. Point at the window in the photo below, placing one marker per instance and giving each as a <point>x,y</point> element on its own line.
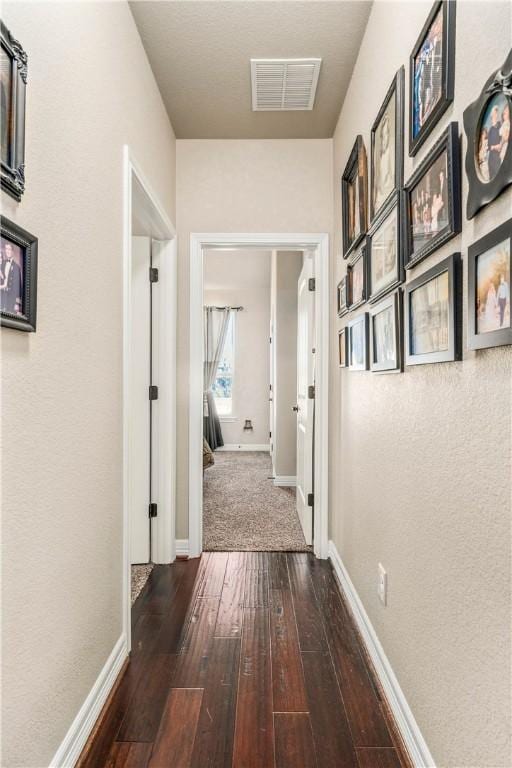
<point>223,385</point>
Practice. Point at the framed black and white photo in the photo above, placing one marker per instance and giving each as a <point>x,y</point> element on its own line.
<point>387,147</point>
<point>432,199</point>
<point>342,348</point>
<point>489,270</point>
<point>354,186</point>
<point>13,80</point>
<point>342,299</point>
<point>385,251</point>
<point>433,314</point>
<point>18,277</point>
<point>489,150</point>
<point>357,278</point>
<point>431,73</point>
<point>358,347</point>
<point>386,334</point>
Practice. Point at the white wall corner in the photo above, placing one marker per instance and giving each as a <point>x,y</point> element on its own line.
<point>81,727</point>
<point>285,481</point>
<point>404,718</point>
<point>182,548</point>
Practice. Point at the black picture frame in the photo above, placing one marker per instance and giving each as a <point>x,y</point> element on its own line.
<point>453,350</point>
<point>480,191</point>
<point>342,348</point>
<point>361,321</point>
<point>355,173</point>
<point>501,336</point>
<point>376,291</point>
<point>12,177</point>
<point>396,89</point>
<point>447,73</point>
<point>342,298</point>
<point>448,143</point>
<point>28,244</point>
<point>395,365</point>
<point>358,259</point>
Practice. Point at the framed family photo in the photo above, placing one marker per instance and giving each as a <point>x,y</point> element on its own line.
<point>433,330</point>
<point>489,269</point>
<point>431,73</point>
<point>489,150</point>
<point>18,277</point>
<point>342,298</point>
<point>358,347</point>
<point>342,348</point>
<point>13,80</point>
<point>432,199</point>
<point>386,334</point>
<point>385,252</point>
<point>387,147</point>
<point>354,186</point>
<point>357,278</point>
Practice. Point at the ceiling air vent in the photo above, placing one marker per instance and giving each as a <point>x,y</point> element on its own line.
<point>284,84</point>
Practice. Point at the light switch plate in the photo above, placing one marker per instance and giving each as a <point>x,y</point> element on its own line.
<point>382,585</point>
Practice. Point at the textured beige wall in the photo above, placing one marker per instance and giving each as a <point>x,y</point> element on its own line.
<point>242,278</point>
<point>240,186</point>
<point>420,462</point>
<point>90,90</point>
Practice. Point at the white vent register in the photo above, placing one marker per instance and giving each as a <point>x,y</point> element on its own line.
<point>284,84</point>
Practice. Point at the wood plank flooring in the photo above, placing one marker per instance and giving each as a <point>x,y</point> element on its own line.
<point>245,660</point>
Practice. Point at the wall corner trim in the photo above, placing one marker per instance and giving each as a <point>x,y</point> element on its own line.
<point>182,548</point>
<point>285,480</point>
<point>404,718</point>
<point>81,727</point>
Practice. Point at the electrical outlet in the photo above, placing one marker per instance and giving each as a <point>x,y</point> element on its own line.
<point>382,585</point>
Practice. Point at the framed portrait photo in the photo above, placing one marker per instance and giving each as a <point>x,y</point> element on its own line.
<point>385,251</point>
<point>357,278</point>
<point>342,296</point>
<point>358,349</point>
<point>354,186</point>
<point>13,81</point>
<point>18,277</point>
<point>432,199</point>
<point>489,150</point>
<point>386,334</point>
<point>342,348</point>
<point>433,314</point>
<point>489,268</point>
<point>387,147</point>
<point>431,73</point>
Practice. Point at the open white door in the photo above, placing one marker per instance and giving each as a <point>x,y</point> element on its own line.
<point>305,404</point>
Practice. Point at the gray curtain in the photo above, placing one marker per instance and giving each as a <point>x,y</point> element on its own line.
<point>215,329</point>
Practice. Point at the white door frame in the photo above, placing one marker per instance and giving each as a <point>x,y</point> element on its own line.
<point>272,241</point>
<point>164,457</point>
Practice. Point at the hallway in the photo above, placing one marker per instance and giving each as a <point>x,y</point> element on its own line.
<point>244,659</point>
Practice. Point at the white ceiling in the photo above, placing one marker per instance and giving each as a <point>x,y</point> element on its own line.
<point>200,53</point>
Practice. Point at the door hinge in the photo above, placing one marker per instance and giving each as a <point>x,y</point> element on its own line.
<point>153,392</point>
<point>153,275</point>
<point>270,434</point>
<point>311,499</point>
<point>311,392</point>
<point>312,284</point>
<point>153,510</point>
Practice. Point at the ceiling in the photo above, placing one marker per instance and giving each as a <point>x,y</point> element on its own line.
<point>200,50</point>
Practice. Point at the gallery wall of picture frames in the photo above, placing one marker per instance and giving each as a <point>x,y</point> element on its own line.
<point>390,227</point>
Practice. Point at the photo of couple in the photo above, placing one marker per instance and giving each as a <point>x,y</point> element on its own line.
<point>429,204</point>
<point>384,254</point>
<point>11,277</point>
<point>383,180</point>
<point>428,74</point>
<point>430,316</point>
<point>494,137</point>
<point>357,281</point>
<point>354,228</point>
<point>384,336</point>
<point>493,288</point>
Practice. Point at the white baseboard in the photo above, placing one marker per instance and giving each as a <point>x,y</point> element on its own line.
<point>285,480</point>
<point>81,727</point>
<point>244,447</point>
<point>182,548</point>
<point>404,718</point>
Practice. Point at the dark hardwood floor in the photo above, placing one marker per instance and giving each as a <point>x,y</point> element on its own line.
<point>245,660</point>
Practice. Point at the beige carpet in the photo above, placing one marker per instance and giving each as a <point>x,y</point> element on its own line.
<point>244,510</point>
<point>140,574</point>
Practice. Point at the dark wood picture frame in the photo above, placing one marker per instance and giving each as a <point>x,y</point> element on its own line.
<point>342,347</point>
<point>395,303</point>
<point>448,143</point>
<point>28,243</point>
<point>448,8</point>
<point>394,207</point>
<point>360,255</point>
<point>501,336</point>
<point>397,88</point>
<point>452,266</point>
<point>13,166</point>
<point>363,320</point>
<point>342,298</point>
<point>481,192</point>
<point>356,172</point>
